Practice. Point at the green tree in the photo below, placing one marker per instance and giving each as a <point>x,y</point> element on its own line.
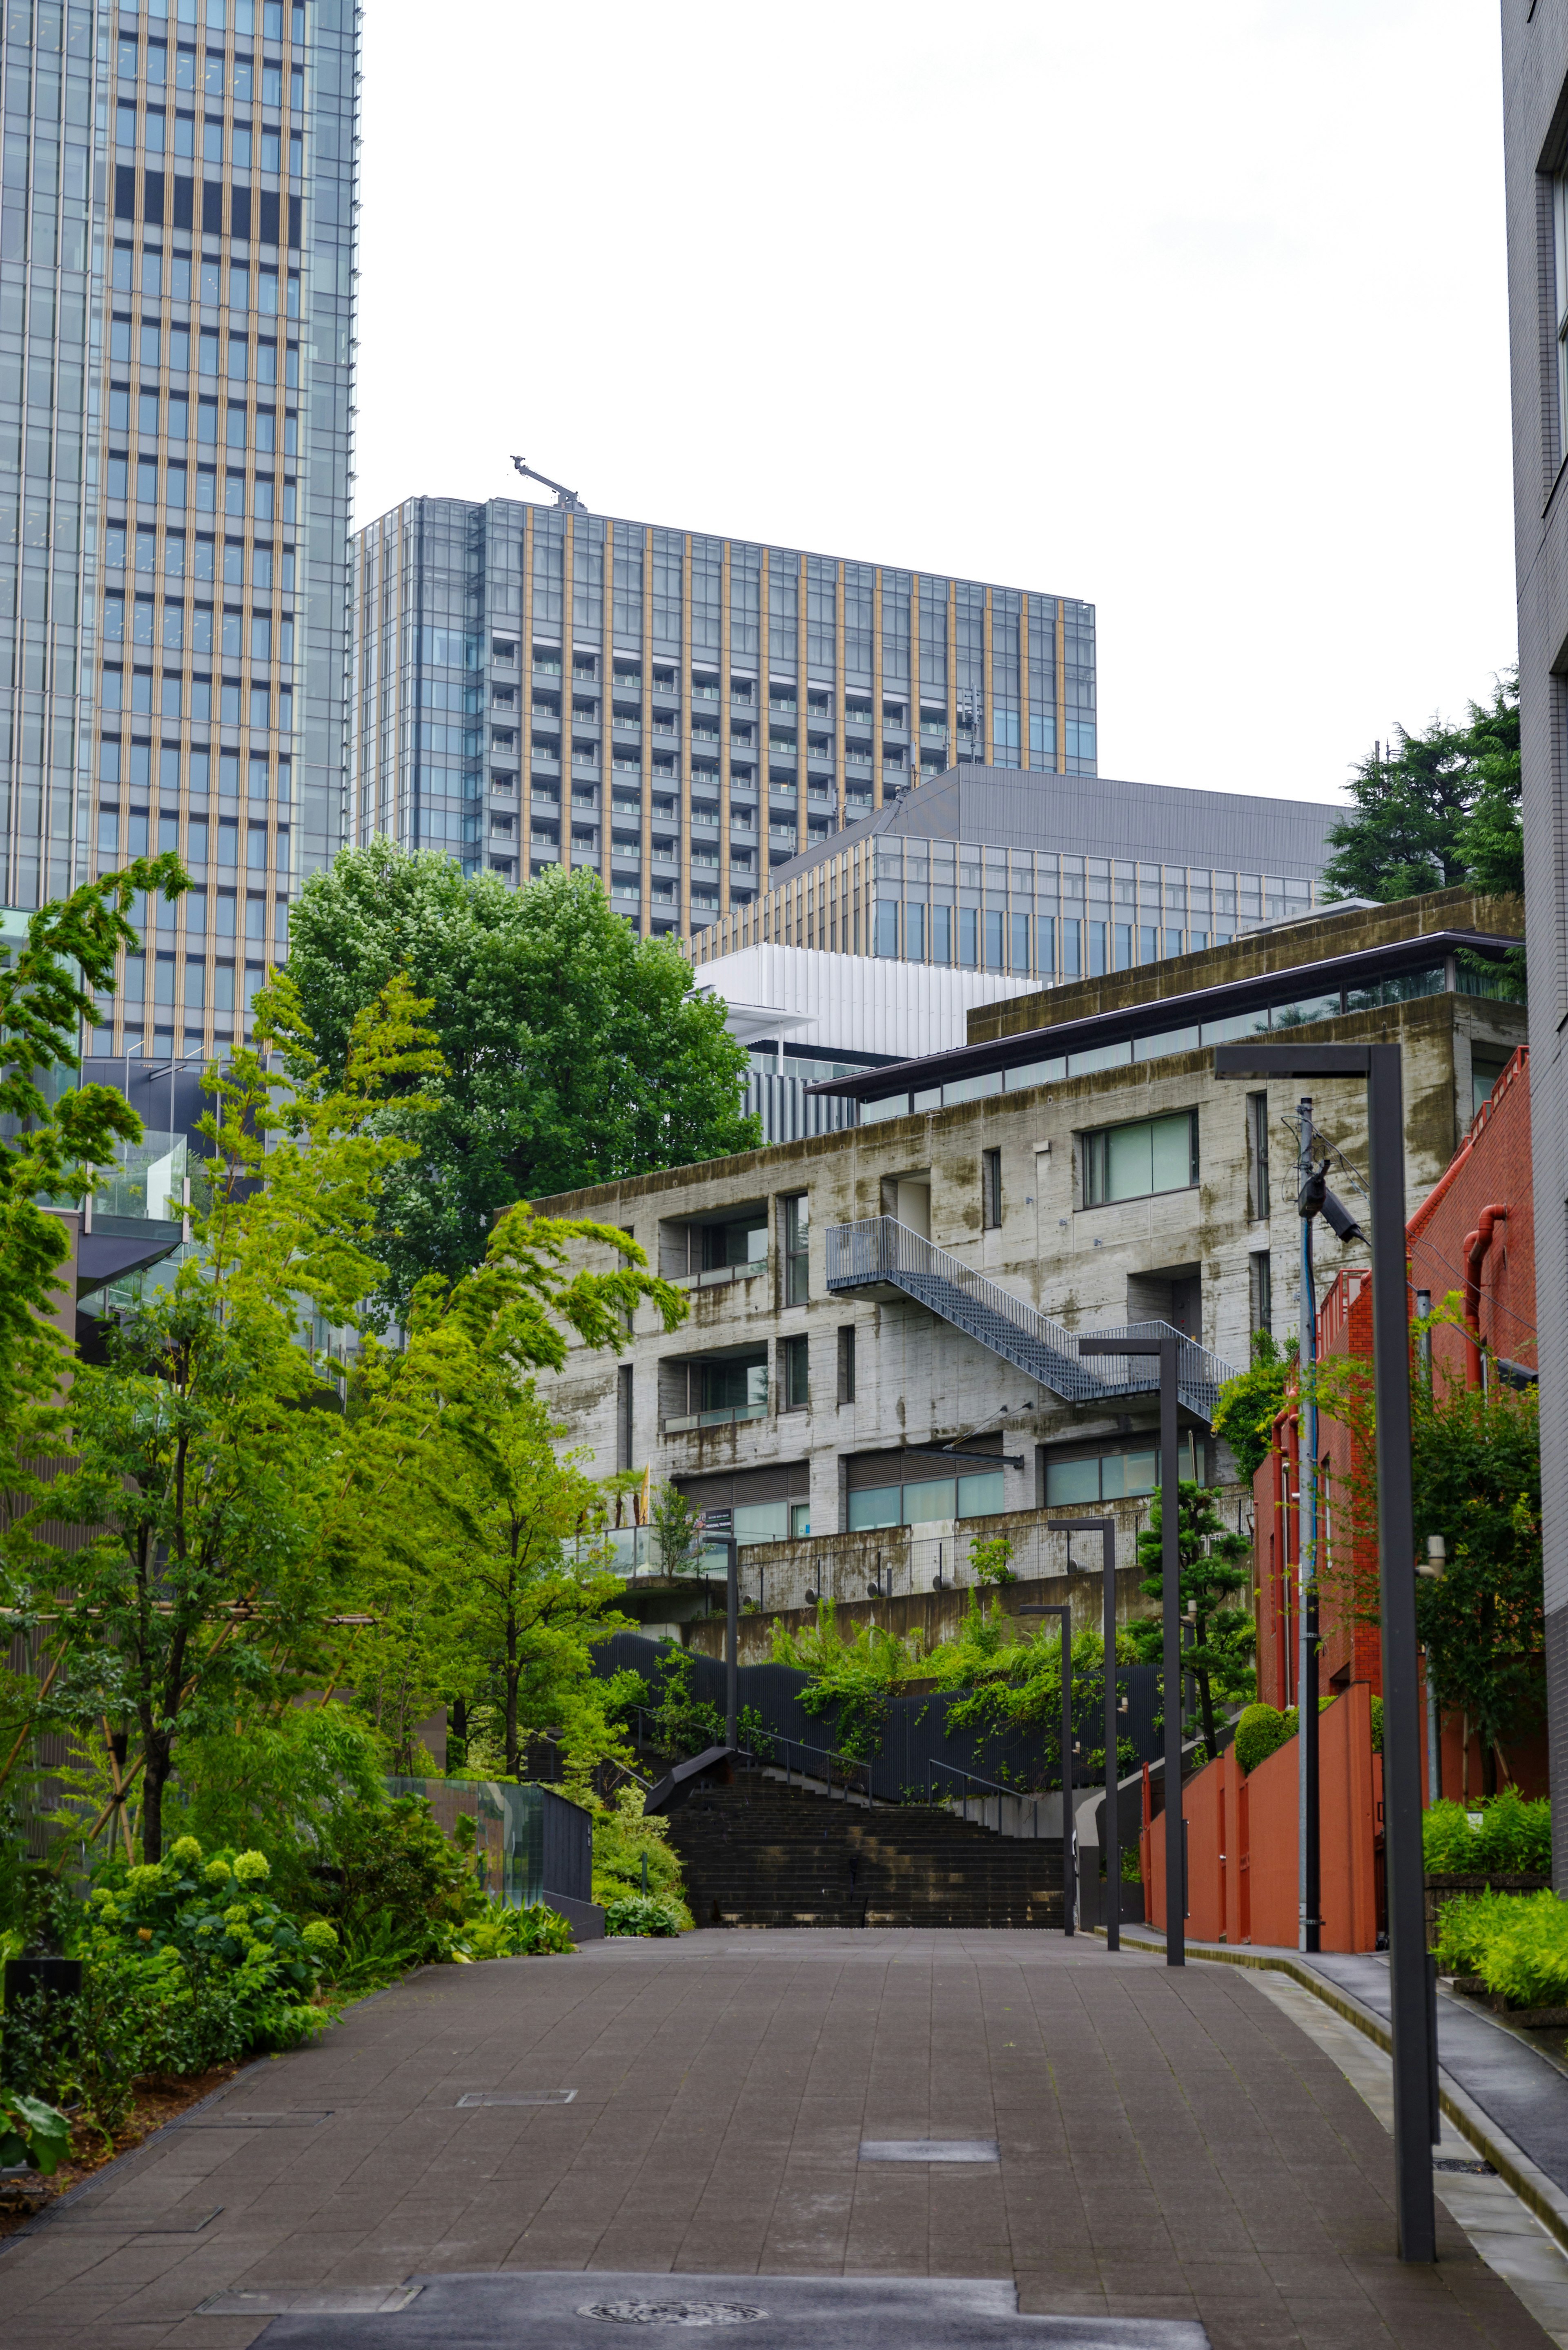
<point>573,1051</point>
<point>1215,1568</point>
<point>1434,810</point>
<point>1244,1417</point>
<point>231,1497</point>
<point>1477,1474</point>
<point>52,1133</point>
<point>678,1530</point>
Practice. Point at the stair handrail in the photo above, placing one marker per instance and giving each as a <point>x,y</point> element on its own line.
<point>1017,1795</point>
<point>879,1248</point>
<point>775,1738</point>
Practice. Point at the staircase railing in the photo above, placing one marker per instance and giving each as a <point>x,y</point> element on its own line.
<point>880,1249</point>
<point>993,1787</point>
<point>855,1775</point>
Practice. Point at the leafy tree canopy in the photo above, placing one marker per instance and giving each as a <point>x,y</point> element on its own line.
<point>1245,1414</point>
<point>1436,810</point>
<point>573,1052</point>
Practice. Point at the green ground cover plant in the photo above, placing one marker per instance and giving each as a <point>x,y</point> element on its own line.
<point>1505,1834</point>
<point>1517,1944</point>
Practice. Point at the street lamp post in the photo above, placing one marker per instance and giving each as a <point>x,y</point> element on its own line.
<point>1410,2012</point>
<point>722,1523</point>
<point>1165,1348</point>
<point>1110,1822</point>
<point>1069,1837</point>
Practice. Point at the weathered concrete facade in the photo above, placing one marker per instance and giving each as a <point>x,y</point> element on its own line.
<point>843,1387</point>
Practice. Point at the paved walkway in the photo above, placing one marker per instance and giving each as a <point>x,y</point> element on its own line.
<point>1173,2147</point>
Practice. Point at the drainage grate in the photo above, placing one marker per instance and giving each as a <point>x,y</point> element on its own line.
<point>1471,2169</point>
<point>929,2150</point>
<point>674,2313</point>
<point>130,2223</point>
<point>517,2098</point>
<point>314,2301</point>
<point>222,2119</point>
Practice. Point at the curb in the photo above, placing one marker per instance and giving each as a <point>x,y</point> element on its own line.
<point>1538,2194</point>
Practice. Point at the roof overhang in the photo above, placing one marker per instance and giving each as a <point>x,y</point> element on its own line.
<point>1160,1012</point>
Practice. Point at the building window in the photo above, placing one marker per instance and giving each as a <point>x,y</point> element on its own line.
<point>797,1354</point>
<point>623,1454</point>
<point>799,1518</point>
<point>924,1501</point>
<point>1261,1290</point>
<point>797,1249</point>
<point>991,1189</point>
<point>846,1363</point>
<point>1138,1160</point>
<point>1258,1161</point>
<point>1116,1473</point>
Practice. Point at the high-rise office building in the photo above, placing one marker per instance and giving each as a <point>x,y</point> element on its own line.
<point>539,684</point>
<point>177,226</point>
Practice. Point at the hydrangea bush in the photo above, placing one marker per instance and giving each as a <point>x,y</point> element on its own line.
<point>210,1963</point>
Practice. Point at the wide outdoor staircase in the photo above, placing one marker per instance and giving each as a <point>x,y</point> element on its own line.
<point>759,1853</point>
<point>879,1253</point>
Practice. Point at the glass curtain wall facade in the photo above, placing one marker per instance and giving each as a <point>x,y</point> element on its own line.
<point>1025,911</point>
<point>176,315</point>
<point>535,686</point>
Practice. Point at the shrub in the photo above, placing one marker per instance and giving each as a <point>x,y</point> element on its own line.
<point>393,1856</point>
<point>634,1915</point>
<point>1466,1925</point>
<point>993,1560</point>
<point>1261,1731</point>
<point>1513,1838</point>
<point>623,1840</point>
<point>532,1932</point>
<point>202,1963</point>
<point>1517,1944</point>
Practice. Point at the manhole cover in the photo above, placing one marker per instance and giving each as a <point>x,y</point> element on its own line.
<point>674,2313</point>
<point>929,2150</point>
<point>309,2300</point>
<point>1473,2170</point>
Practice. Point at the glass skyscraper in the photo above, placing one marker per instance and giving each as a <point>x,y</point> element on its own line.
<point>177,226</point>
<point>537,685</point>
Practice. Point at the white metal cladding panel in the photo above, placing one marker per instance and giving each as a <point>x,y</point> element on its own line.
<point>856,1003</point>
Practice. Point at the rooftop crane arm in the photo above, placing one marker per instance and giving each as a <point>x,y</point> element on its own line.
<point>569,499</point>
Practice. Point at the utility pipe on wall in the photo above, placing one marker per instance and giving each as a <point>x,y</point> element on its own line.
<point>1477,1245</point>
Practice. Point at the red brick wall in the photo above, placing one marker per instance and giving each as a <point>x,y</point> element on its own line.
<point>1492,1167</point>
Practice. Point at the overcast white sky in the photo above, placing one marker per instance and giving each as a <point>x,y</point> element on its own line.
<point>1198,313</point>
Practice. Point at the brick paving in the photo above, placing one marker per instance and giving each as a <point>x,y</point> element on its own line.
<point>1172,2145</point>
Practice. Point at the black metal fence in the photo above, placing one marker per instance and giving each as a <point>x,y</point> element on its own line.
<point>916,1732</point>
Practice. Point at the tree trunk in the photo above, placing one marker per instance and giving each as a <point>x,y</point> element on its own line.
<point>155,1768</point>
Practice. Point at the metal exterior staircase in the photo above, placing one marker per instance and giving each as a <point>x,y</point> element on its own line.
<point>879,1251</point>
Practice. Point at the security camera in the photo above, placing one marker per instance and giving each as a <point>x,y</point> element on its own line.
<point>1341,1222</point>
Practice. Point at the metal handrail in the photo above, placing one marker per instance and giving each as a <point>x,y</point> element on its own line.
<point>776,1739</point>
<point>880,1248</point>
<point>1017,1795</point>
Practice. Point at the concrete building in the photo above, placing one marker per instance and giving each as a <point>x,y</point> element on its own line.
<point>539,684</point>
<point>1535,149</point>
<point>806,1017</point>
<point>881,1356</point>
<point>980,869</point>
<point>176,357</point>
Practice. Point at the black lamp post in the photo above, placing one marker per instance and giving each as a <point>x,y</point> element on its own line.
<point>1110,1826</point>
<point>1166,1347</point>
<point>1410,2010</point>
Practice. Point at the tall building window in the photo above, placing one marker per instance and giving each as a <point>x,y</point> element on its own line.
<point>797,1249</point>
<point>623,1417</point>
<point>1258,1162</point>
<point>796,1374</point>
<point>991,1189</point>
<point>1560,239</point>
<point>1261,1289</point>
<point>847,1363</point>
